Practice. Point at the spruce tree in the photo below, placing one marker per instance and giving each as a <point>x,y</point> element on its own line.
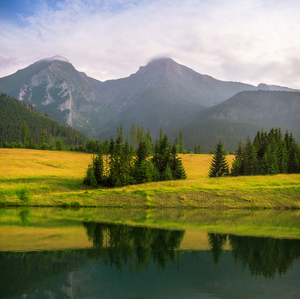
<point>283,158</point>
<point>167,175</point>
<point>99,169</point>
<point>24,131</point>
<point>143,172</point>
<point>133,137</point>
<point>219,165</point>
<point>237,163</point>
<point>89,178</point>
<point>196,147</point>
<point>178,171</point>
<point>181,143</point>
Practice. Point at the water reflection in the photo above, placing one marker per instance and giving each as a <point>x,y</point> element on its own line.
<point>142,262</point>
<point>263,256</point>
<point>117,244</point>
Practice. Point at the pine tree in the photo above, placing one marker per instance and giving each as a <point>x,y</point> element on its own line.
<point>196,147</point>
<point>219,165</point>
<point>59,145</point>
<point>99,169</point>
<point>25,131</point>
<point>89,178</point>
<point>143,172</point>
<point>178,171</point>
<point>166,175</point>
<point>161,134</point>
<point>237,163</point>
<point>283,158</point>
<point>133,137</point>
<point>181,143</point>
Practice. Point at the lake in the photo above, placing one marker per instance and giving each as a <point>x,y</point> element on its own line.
<point>116,253</point>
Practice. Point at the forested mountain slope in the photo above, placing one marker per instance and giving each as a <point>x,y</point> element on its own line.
<point>12,115</point>
<point>243,115</point>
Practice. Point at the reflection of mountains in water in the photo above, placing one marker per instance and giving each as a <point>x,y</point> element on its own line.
<point>129,250</point>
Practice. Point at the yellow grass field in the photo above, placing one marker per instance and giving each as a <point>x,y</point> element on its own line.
<point>55,178</point>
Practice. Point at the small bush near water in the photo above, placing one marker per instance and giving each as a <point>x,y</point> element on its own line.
<point>24,194</point>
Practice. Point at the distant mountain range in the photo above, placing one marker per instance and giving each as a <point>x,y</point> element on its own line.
<point>161,95</point>
<point>243,115</point>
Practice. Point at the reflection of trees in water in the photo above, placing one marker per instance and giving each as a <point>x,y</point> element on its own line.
<point>264,256</point>
<point>216,243</point>
<point>24,214</point>
<point>136,246</point>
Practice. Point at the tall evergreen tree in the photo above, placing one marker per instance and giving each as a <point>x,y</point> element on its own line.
<point>219,165</point>
<point>283,158</point>
<point>133,137</point>
<point>24,131</point>
<point>237,163</point>
<point>99,169</point>
<point>178,172</point>
<point>181,143</point>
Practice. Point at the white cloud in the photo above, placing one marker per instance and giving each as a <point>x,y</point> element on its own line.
<point>249,41</point>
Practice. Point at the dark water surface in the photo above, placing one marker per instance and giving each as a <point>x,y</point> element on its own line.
<point>136,261</point>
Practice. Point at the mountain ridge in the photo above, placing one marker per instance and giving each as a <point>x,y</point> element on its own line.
<point>160,95</point>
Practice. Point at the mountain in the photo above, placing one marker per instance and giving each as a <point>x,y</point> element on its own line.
<point>53,86</point>
<point>164,95</point>
<point>243,115</point>
<point>161,95</point>
<point>14,112</point>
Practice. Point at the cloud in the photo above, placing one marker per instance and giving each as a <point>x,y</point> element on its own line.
<point>248,41</point>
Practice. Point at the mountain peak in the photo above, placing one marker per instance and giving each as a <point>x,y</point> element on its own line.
<point>161,66</point>
<point>56,57</point>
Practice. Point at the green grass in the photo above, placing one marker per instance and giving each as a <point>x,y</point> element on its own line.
<point>55,179</point>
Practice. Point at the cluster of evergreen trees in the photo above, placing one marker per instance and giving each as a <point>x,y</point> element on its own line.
<point>121,166</point>
<point>269,153</point>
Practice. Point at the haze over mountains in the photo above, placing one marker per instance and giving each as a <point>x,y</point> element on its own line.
<point>163,94</point>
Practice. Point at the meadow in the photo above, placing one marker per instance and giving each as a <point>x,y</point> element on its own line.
<point>54,178</point>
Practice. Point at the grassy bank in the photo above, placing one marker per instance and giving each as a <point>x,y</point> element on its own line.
<point>55,179</point>
<point>30,229</point>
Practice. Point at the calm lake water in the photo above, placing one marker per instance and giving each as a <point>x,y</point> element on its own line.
<point>148,254</point>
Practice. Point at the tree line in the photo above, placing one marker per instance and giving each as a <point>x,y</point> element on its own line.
<point>123,166</point>
<point>269,153</point>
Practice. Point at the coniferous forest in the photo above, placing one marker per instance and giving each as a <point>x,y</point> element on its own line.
<point>123,166</point>
<point>268,154</point>
<point>22,125</point>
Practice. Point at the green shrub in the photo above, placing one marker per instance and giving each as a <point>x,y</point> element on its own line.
<point>24,194</point>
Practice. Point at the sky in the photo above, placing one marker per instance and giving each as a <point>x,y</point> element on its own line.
<point>254,41</point>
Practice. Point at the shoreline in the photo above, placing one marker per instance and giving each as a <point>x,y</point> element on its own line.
<point>266,198</point>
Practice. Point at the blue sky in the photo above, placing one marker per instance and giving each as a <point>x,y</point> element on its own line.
<point>251,41</point>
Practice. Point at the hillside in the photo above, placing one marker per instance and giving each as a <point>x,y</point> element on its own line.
<point>243,115</point>
<point>14,112</point>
